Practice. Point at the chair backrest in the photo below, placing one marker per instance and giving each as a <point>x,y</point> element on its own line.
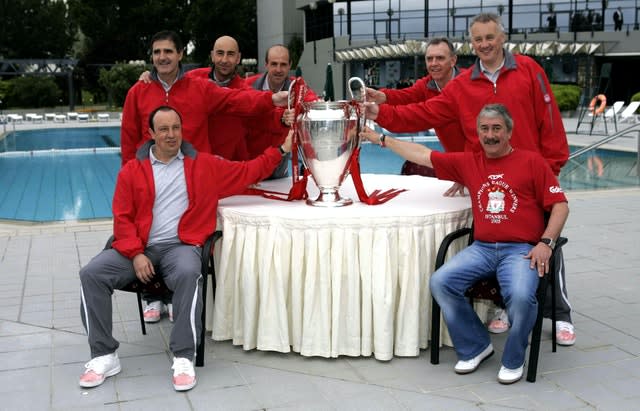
<point>613,110</point>
<point>630,110</point>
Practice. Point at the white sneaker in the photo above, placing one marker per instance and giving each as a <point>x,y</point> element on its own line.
<point>170,311</point>
<point>469,366</point>
<point>509,376</point>
<point>565,333</point>
<point>184,375</point>
<point>98,369</point>
<point>153,311</point>
<point>499,323</point>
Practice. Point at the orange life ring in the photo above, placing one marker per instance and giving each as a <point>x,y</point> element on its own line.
<point>603,104</point>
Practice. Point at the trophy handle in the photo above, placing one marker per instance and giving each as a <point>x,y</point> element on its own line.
<point>364,89</point>
<point>289,94</point>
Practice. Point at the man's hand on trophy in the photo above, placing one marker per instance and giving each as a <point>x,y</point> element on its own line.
<point>370,135</point>
<point>288,116</point>
<point>280,98</point>
<point>145,77</point>
<point>371,111</point>
<point>286,146</point>
<point>376,96</point>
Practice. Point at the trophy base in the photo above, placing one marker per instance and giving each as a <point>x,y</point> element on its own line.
<point>329,198</point>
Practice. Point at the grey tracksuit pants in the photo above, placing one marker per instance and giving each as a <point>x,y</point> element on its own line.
<point>180,267</point>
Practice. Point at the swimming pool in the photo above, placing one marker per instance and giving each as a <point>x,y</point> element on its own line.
<point>69,174</point>
<point>58,174</point>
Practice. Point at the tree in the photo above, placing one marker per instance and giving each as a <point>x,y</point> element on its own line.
<point>120,30</point>
<point>118,80</point>
<point>35,29</point>
<point>207,20</point>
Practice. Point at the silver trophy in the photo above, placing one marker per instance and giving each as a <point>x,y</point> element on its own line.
<point>328,135</point>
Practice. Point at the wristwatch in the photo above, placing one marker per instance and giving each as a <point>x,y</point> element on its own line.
<point>548,241</point>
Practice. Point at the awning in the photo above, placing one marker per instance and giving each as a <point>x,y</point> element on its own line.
<point>418,48</point>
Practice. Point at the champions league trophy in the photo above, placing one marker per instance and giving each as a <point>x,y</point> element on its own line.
<point>328,136</point>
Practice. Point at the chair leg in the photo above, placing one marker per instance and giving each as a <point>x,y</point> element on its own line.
<point>207,268</point>
<point>552,283</point>
<point>141,313</point>
<point>435,332</point>
<point>536,333</point>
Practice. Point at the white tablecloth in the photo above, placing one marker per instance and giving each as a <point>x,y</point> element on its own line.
<point>332,281</point>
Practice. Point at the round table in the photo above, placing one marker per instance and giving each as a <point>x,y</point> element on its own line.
<point>326,282</point>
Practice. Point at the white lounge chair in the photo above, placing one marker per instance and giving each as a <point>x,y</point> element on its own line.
<point>628,114</point>
<point>103,116</point>
<point>49,116</point>
<point>83,117</point>
<point>612,114</point>
<point>72,115</point>
<point>15,118</point>
<point>59,118</point>
<point>33,117</point>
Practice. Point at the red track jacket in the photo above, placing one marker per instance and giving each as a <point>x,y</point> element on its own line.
<point>522,87</point>
<point>450,135</point>
<point>195,99</point>
<point>208,178</point>
<point>227,133</point>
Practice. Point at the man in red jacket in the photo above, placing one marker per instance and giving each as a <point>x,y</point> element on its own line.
<point>196,99</point>
<point>520,84</point>
<point>164,207</point>
<point>440,60</point>
<point>270,129</point>
<point>227,133</point>
<point>512,189</point>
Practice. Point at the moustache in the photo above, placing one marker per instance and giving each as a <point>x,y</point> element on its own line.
<point>491,141</point>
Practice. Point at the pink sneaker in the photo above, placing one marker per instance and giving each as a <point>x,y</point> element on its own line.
<point>184,376</point>
<point>565,333</point>
<point>499,323</point>
<point>98,369</point>
<point>153,312</point>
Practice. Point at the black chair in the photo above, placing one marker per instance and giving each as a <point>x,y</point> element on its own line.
<point>489,289</point>
<point>159,288</point>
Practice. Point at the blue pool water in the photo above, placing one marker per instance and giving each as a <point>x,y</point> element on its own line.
<point>58,174</point>
<point>69,174</point>
<point>61,139</point>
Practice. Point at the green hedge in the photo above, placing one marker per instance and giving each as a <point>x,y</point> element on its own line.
<point>567,96</point>
<point>31,91</point>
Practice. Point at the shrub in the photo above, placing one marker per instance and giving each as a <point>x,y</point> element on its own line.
<point>32,91</point>
<point>636,97</point>
<point>567,96</point>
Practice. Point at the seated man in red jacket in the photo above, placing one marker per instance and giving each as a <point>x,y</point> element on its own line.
<point>164,207</point>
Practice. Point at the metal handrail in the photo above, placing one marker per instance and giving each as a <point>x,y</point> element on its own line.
<point>604,141</point>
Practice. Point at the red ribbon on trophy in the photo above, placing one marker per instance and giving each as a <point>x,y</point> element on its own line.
<point>376,197</point>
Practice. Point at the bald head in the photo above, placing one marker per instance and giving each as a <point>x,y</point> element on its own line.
<point>225,57</point>
<point>278,64</point>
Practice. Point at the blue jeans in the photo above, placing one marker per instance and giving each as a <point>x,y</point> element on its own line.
<point>518,284</point>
